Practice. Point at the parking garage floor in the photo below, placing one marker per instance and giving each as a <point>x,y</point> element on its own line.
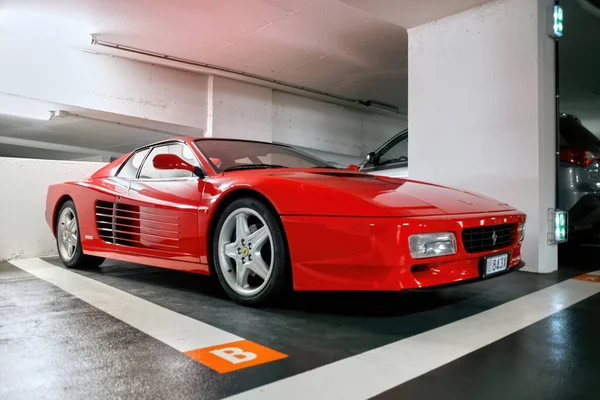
<point>131,331</point>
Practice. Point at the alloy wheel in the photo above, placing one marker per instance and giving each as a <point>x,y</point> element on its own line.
<point>246,251</point>
<point>67,234</point>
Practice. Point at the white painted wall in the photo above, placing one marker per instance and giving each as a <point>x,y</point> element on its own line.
<point>52,73</point>
<point>239,110</point>
<point>329,127</point>
<point>220,107</point>
<point>23,231</point>
<point>330,131</point>
<point>481,112</point>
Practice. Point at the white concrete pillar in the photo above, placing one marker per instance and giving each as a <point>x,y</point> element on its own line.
<point>238,110</point>
<point>481,110</point>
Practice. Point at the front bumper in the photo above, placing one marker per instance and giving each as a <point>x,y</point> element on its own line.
<point>356,253</point>
<point>470,281</point>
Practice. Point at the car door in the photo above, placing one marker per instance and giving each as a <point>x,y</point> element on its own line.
<point>391,159</point>
<point>108,190</point>
<point>159,215</point>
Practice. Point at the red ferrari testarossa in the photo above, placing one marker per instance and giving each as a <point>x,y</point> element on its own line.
<point>264,217</point>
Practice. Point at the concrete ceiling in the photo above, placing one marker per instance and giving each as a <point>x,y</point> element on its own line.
<point>336,46</point>
<point>411,13</point>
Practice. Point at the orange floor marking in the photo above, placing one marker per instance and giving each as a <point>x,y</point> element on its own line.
<point>234,356</point>
<point>588,277</point>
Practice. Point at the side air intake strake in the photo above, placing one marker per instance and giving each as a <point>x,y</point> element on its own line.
<point>134,226</point>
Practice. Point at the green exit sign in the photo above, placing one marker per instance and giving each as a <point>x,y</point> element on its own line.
<point>557,28</point>
<point>559,226</point>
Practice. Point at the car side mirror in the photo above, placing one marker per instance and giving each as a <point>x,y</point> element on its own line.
<point>171,161</point>
<point>370,159</point>
<point>353,167</point>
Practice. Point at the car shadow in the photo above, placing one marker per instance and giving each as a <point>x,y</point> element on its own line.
<point>370,304</point>
<point>396,312</point>
<point>364,304</point>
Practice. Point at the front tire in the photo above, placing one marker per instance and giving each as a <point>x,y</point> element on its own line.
<point>68,240</point>
<point>249,252</point>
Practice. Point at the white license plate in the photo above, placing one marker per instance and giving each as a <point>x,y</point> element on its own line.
<point>496,264</point>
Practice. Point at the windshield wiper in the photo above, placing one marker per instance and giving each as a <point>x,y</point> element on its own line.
<point>253,166</point>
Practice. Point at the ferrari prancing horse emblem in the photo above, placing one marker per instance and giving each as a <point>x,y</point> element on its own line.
<point>494,238</point>
<point>245,251</point>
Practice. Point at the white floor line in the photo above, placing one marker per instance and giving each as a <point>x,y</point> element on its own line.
<point>373,372</point>
<point>178,331</point>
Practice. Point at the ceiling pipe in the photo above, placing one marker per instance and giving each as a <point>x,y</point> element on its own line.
<point>593,7</point>
<point>244,76</point>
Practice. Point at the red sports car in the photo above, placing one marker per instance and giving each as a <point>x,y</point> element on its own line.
<point>264,217</point>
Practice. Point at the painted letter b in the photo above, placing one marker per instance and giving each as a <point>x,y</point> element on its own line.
<point>234,355</point>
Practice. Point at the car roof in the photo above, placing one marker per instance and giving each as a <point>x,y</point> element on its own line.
<point>189,139</point>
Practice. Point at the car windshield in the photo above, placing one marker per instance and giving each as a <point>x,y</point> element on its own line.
<point>229,155</point>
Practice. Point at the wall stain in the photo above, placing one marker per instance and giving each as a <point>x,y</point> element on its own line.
<point>130,100</point>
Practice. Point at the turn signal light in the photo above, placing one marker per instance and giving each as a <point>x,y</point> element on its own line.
<point>521,232</point>
<point>580,157</point>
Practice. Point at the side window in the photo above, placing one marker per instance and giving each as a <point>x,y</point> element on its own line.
<point>397,152</point>
<point>130,169</point>
<point>179,149</point>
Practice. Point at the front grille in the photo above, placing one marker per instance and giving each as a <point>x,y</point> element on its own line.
<point>488,238</point>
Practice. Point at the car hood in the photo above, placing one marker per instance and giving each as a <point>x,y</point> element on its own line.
<point>394,196</point>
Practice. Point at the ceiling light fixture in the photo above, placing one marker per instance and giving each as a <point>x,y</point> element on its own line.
<point>57,114</point>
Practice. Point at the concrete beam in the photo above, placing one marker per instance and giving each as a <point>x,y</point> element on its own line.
<point>10,141</point>
<point>52,73</point>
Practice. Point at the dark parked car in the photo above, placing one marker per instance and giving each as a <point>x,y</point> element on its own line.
<point>579,177</point>
<point>578,174</point>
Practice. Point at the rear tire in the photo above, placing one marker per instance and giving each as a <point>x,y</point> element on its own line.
<point>249,252</point>
<point>68,240</point>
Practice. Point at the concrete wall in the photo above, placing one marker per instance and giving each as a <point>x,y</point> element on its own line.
<point>62,75</point>
<point>23,231</point>
<point>481,112</point>
<point>246,111</point>
<point>330,128</point>
<point>239,110</point>
<point>220,107</point>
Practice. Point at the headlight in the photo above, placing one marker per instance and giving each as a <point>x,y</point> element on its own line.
<point>432,244</point>
<point>521,231</point>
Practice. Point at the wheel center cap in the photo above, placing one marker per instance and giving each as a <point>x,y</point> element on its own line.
<point>245,251</point>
